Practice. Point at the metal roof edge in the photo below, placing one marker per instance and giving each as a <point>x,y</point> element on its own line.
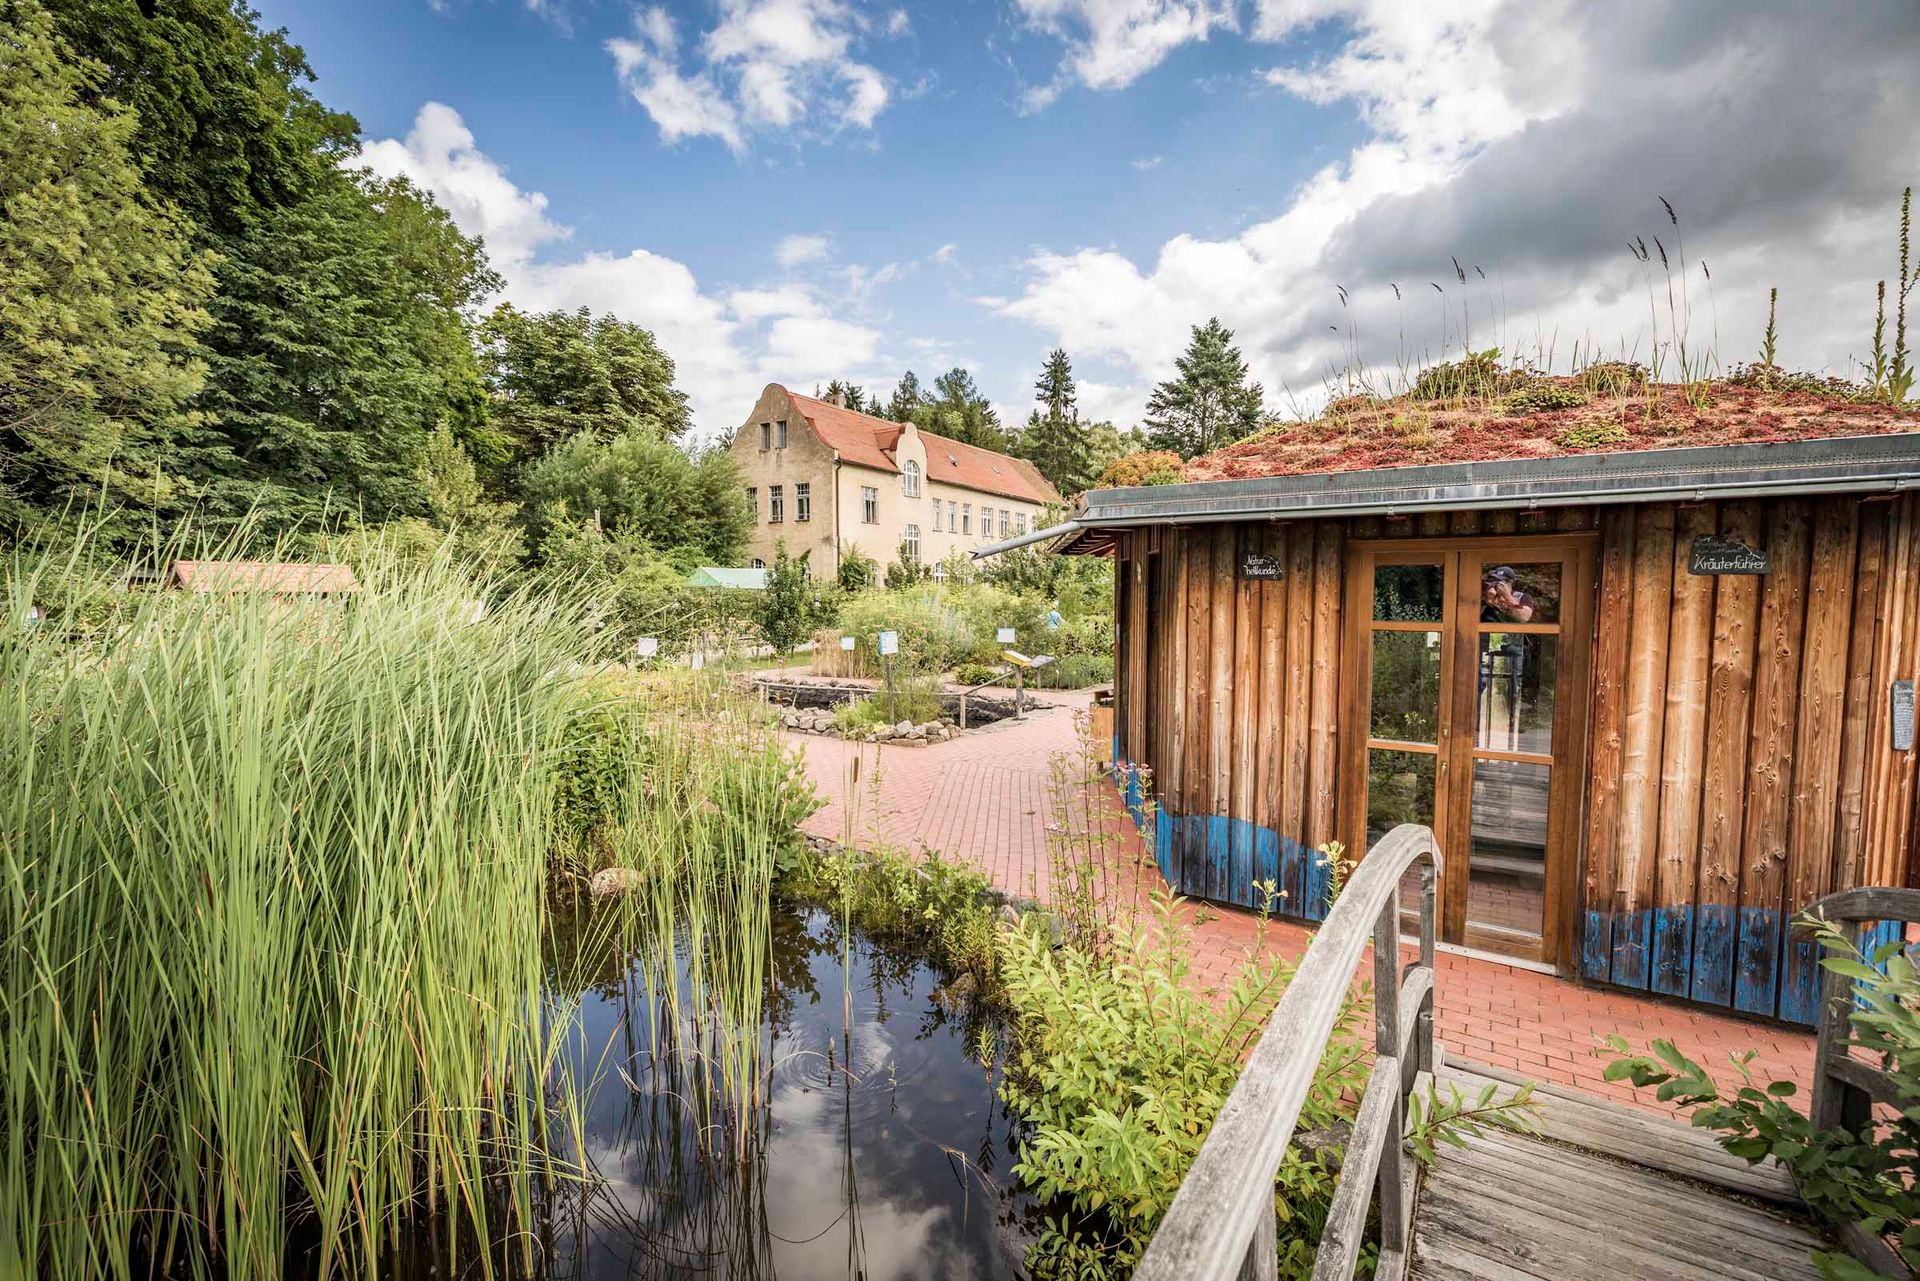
<point>1061,530</point>
<point>1834,464</point>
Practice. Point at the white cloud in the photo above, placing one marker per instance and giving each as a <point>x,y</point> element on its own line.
<point>1112,43</point>
<point>439,154</point>
<point>1534,140</point>
<point>898,23</point>
<point>766,66</point>
<point>796,250</point>
<point>725,345</point>
<point>945,253</point>
<point>1145,163</point>
<point>681,106</point>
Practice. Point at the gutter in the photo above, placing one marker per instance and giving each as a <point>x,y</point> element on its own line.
<point>1027,539</point>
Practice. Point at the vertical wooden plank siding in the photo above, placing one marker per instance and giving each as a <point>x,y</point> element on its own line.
<point>1170,774</point>
<point>1814,818</point>
<point>1246,730</point>
<point>1689,645</point>
<point>1607,738</point>
<point>1199,741</point>
<point>1220,695</point>
<point>1323,719</point>
<point>1738,752</point>
<point>1273,685</point>
<point>1296,736</point>
<point>1641,740</point>
<point>1850,826</point>
<point>1776,692</point>
<point>1903,795</point>
<point>1736,612</point>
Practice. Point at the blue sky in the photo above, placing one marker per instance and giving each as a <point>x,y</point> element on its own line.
<point>794,190</point>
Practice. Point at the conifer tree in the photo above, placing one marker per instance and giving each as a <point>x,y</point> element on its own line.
<point>1210,402</point>
<point>1055,440</point>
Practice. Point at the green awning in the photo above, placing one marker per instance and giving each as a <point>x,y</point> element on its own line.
<point>751,580</point>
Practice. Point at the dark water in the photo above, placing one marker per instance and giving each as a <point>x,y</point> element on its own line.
<point>879,1149</point>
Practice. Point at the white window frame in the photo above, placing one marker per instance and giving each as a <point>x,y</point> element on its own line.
<point>1019,522</point>
<point>803,500</point>
<point>776,504</point>
<point>780,435</point>
<point>936,515</point>
<point>910,543</point>
<point>966,518</point>
<point>1006,522</point>
<point>910,478</point>
<point>869,505</point>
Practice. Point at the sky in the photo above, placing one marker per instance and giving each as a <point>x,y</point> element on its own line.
<point>799,190</point>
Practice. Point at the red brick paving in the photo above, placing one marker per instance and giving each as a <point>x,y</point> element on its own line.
<point>983,798</point>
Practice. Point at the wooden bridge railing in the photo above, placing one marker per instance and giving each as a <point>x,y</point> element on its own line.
<point>1846,1087</point>
<point>1221,1223</point>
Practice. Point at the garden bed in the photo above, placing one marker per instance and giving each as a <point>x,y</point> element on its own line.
<point>810,706</point>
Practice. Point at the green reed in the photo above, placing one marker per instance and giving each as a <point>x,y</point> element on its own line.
<point>273,884</point>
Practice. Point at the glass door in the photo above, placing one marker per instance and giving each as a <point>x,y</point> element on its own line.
<point>1465,653</point>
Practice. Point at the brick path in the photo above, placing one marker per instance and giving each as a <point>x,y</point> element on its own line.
<point>983,798</point>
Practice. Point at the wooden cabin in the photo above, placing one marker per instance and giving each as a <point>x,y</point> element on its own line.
<point>1653,697</point>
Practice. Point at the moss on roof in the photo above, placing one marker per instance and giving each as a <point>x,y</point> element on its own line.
<point>1517,414</point>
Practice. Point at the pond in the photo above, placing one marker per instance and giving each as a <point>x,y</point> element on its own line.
<point>878,1147</point>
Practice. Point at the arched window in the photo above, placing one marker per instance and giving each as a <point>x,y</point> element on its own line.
<point>910,478</point>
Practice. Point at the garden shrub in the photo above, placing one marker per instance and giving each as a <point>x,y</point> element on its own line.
<point>1120,1069</point>
<point>1866,1176</point>
<point>1146,467</point>
<point>977,673</point>
<point>1545,396</point>
<point>916,698</point>
<point>624,749</point>
<point>935,634</point>
<point>1613,377</point>
<point>942,906</point>
<point>1477,374</point>
<point>1075,671</point>
<point>1593,435</point>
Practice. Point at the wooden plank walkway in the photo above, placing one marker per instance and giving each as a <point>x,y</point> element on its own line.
<point>1603,1191</point>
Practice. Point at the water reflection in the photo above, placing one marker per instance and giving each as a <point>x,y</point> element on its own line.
<point>875,1146</point>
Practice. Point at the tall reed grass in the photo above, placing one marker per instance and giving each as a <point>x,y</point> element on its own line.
<point>272,885</point>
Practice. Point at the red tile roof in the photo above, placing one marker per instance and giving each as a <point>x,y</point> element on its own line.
<point>867,441</point>
<point>283,577</point>
<point>1360,434</point>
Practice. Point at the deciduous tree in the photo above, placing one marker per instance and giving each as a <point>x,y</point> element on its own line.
<point>101,292</point>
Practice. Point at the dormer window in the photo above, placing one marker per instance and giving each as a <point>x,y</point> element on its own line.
<point>910,479</point>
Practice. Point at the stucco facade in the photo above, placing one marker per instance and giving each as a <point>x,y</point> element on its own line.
<point>872,485</point>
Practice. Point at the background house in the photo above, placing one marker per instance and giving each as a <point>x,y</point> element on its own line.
<point>1645,665</point>
<point>824,479</point>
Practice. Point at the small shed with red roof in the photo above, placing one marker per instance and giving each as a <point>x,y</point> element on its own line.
<point>1643,657</point>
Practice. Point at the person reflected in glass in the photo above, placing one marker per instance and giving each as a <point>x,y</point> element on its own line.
<point>1501,600</point>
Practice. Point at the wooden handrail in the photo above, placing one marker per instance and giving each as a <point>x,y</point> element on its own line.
<point>1221,1223</point>
<point>1845,1088</point>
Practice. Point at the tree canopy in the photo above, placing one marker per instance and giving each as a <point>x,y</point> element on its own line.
<point>1055,440</point>
<point>556,375</point>
<point>1209,402</point>
<point>103,297</point>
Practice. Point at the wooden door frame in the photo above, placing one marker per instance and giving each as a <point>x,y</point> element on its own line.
<point>1577,551</point>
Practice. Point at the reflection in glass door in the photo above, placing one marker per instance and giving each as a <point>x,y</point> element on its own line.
<point>1462,656</point>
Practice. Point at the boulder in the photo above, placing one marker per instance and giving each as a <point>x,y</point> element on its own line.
<point>611,882</point>
<point>903,729</point>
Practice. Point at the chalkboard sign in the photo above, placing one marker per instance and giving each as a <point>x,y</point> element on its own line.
<point>1260,567</point>
<point>1903,716</point>
<point>1713,555</point>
